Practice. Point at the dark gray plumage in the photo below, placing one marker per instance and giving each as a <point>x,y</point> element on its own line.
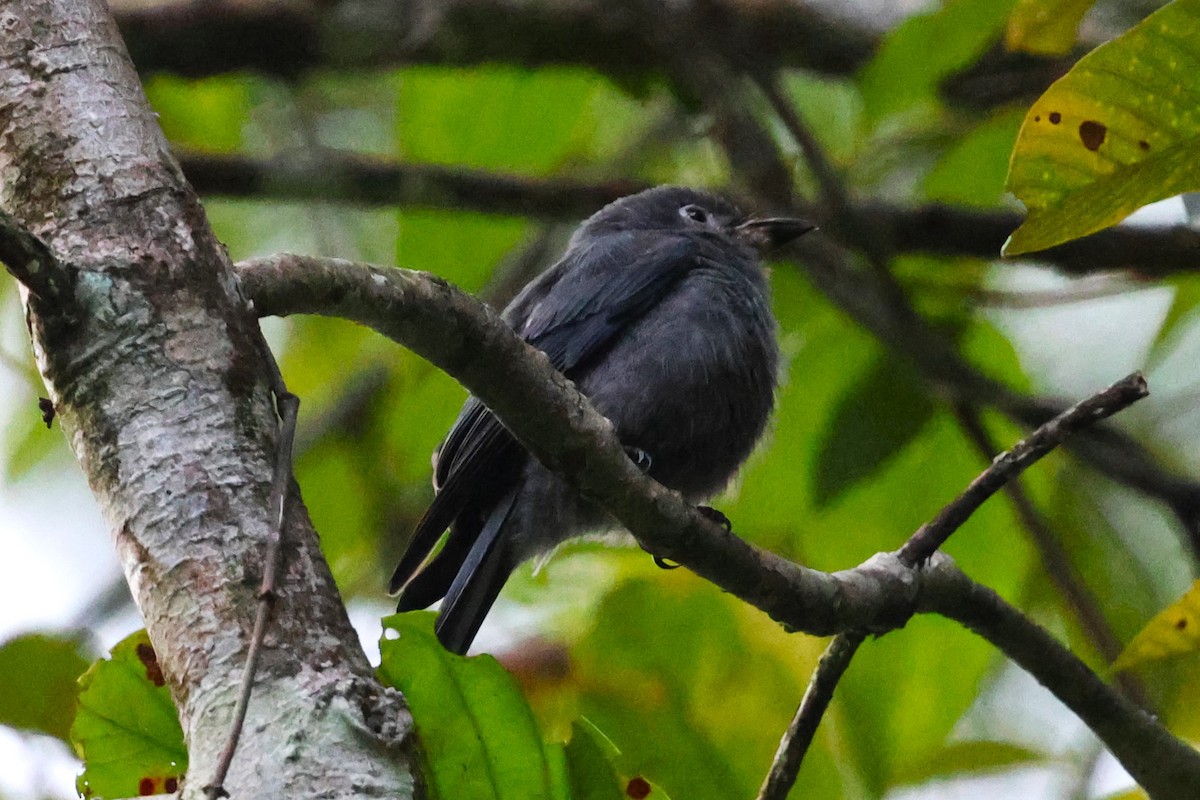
<point>659,312</point>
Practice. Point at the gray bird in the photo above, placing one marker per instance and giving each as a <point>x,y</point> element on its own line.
<point>659,313</point>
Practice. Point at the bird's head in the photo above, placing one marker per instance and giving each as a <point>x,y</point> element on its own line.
<point>677,208</point>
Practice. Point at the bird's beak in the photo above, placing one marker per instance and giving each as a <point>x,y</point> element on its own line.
<point>768,233</point>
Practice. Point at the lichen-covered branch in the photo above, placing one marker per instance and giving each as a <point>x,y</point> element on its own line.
<point>156,370</point>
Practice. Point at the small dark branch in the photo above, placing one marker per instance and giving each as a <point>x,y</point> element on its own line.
<point>287,406</point>
<point>934,229</point>
<point>1000,77</point>
<point>1008,465</point>
<point>1166,767</point>
<point>1055,560</point>
<point>29,260</point>
<point>949,231</point>
<point>833,189</point>
<point>799,736</point>
<point>361,180</point>
<point>206,37</point>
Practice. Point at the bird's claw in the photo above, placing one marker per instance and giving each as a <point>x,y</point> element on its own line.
<point>640,458</point>
<point>712,515</point>
<point>661,562</point>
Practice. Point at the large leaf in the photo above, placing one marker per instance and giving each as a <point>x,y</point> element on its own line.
<point>663,673</point>
<point>479,737</point>
<point>1120,130</point>
<point>926,48</point>
<point>589,765</point>
<point>884,410</point>
<point>126,729</point>
<point>972,172</point>
<point>1046,27</point>
<point>40,675</point>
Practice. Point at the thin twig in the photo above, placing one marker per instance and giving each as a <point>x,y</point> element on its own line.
<point>1055,560</point>
<point>287,406</point>
<point>1009,464</point>
<point>28,259</point>
<point>922,544</point>
<point>795,743</point>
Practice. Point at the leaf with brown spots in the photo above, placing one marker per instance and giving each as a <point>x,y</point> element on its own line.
<point>1120,130</point>
<point>126,728</point>
<point>1174,631</point>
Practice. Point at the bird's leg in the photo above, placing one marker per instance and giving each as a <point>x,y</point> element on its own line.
<point>713,515</point>
<point>662,563</point>
<point>640,458</point>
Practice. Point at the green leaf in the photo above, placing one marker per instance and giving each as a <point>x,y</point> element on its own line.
<point>503,118</point>
<point>958,758</point>
<point>885,409</point>
<point>204,114</point>
<point>919,52</point>
<point>479,738</point>
<point>663,674</point>
<point>1120,130</point>
<point>1183,308</point>
<point>40,675</point>
<point>589,765</point>
<point>1045,27</point>
<point>972,172</point>
<point>126,728</point>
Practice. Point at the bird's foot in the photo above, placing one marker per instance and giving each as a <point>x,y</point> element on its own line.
<point>662,563</point>
<point>640,458</point>
<point>713,515</point>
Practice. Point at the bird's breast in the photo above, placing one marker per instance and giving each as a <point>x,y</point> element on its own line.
<point>692,382</point>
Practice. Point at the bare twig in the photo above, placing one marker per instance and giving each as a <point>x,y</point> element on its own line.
<point>1013,462</point>
<point>921,546</point>
<point>795,743</point>
<point>30,261</point>
<point>287,405</point>
<point>1055,560</point>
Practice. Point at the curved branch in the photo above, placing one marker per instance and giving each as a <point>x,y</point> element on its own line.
<point>558,425</point>
<point>1167,768</point>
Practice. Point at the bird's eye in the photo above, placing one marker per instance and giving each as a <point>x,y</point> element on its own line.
<point>694,213</point>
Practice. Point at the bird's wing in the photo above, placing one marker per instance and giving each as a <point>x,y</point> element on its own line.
<point>593,295</point>
<point>614,282</point>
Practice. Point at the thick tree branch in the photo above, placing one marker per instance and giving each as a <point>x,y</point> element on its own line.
<point>545,411</point>
<point>557,424</point>
<point>157,372</point>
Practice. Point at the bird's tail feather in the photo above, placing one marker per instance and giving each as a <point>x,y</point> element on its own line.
<point>479,580</point>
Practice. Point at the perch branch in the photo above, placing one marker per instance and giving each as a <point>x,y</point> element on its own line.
<point>557,424</point>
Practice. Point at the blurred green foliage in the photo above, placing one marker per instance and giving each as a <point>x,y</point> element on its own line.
<point>641,673</point>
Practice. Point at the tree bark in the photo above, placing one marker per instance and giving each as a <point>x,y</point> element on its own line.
<point>157,371</point>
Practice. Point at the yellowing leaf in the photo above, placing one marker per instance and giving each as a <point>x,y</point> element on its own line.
<point>1120,130</point>
<point>1175,631</point>
<point>1046,27</point>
